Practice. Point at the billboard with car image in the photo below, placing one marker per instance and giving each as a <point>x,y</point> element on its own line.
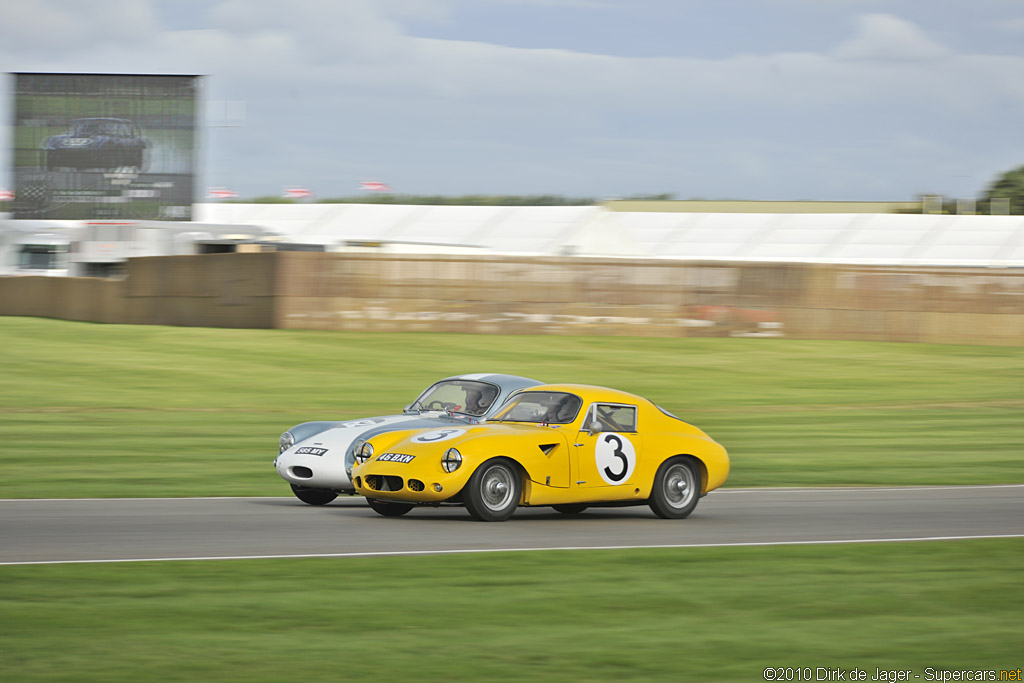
<point>104,146</point>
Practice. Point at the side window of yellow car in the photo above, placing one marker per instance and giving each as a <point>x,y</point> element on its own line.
<point>614,417</point>
<point>607,447</point>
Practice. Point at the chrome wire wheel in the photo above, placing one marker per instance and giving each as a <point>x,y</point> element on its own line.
<point>677,487</point>
<point>492,493</point>
<point>496,489</point>
<point>680,487</point>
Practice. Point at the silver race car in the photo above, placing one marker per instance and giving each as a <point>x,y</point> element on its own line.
<point>316,458</point>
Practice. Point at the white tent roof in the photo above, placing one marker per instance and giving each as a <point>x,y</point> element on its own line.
<point>881,239</point>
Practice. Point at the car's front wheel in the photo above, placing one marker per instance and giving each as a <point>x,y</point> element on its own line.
<point>313,496</point>
<point>676,488</point>
<point>492,493</point>
<point>387,508</point>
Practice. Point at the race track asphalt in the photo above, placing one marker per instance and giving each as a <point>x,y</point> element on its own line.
<point>103,530</point>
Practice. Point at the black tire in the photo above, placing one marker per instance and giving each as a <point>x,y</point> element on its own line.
<point>388,508</point>
<point>492,493</point>
<point>313,496</point>
<point>677,487</point>
<point>570,508</point>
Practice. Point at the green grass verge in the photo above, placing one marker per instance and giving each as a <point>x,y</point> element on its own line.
<point>662,615</point>
<point>109,410</point>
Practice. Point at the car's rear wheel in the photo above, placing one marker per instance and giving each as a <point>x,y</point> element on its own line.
<point>388,508</point>
<point>677,488</point>
<point>492,493</point>
<point>570,508</point>
<point>313,496</point>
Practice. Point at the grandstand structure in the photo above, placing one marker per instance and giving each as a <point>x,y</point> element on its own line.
<point>889,239</point>
<point>534,270</point>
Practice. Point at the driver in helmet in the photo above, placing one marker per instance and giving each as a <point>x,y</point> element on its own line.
<point>479,399</point>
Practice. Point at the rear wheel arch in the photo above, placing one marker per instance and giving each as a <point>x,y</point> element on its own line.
<point>701,468</point>
<point>698,463</point>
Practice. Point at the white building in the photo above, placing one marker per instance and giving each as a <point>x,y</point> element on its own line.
<point>98,248</point>
<point>852,238</point>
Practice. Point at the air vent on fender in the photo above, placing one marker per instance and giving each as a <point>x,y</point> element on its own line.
<point>546,448</point>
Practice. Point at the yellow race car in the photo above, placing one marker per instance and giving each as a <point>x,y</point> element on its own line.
<point>569,446</point>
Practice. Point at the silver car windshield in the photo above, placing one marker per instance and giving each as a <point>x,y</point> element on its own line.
<point>88,127</point>
<point>551,407</point>
<point>470,397</point>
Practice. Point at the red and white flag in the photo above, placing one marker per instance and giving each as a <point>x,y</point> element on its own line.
<point>297,193</point>
<point>6,195</point>
<point>221,193</point>
<point>374,186</point>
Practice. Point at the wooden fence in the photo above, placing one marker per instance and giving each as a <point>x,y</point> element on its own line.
<point>541,295</point>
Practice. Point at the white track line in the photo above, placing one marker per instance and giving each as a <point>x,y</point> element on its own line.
<point>470,551</point>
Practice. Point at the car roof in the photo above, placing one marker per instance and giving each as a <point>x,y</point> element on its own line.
<point>592,393</point>
<point>504,381</point>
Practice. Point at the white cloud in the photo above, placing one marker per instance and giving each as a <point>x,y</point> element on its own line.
<point>1010,25</point>
<point>551,4</point>
<point>347,79</point>
<point>62,27</point>
<point>884,37</point>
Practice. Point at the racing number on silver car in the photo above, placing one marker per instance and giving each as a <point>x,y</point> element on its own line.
<point>368,422</point>
<point>615,458</point>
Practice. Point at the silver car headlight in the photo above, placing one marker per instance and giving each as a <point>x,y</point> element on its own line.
<point>364,453</point>
<point>451,461</point>
<point>287,441</point>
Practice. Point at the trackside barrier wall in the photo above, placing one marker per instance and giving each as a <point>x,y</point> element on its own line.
<point>541,295</point>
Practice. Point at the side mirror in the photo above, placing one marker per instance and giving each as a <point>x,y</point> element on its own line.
<point>594,427</point>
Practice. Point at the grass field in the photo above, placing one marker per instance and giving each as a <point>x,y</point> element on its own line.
<point>92,410</point>
<point>699,614</point>
<point>96,410</point>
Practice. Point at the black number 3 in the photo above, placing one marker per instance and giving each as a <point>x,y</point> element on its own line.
<point>618,454</point>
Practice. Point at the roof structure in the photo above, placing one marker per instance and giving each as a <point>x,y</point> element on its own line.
<point>853,238</point>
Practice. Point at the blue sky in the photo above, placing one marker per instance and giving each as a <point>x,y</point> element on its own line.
<point>740,99</point>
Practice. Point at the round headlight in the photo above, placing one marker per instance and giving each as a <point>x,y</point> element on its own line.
<point>364,453</point>
<point>451,461</point>
<point>286,441</point>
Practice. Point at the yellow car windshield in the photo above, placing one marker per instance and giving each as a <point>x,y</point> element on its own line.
<point>551,407</point>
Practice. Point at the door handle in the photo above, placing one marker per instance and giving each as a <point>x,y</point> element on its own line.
<point>577,444</point>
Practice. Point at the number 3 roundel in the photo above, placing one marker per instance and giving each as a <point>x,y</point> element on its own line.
<point>615,458</point>
<point>437,435</point>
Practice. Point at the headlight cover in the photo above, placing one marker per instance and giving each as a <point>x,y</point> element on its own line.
<point>451,461</point>
<point>364,453</point>
<point>286,441</point>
